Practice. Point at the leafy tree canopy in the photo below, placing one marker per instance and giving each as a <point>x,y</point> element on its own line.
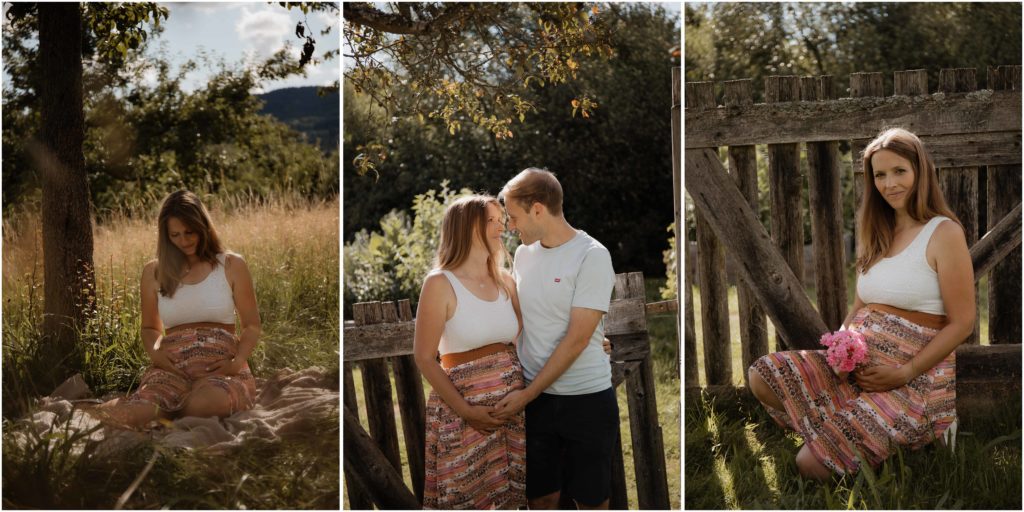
<point>730,41</point>
<point>615,166</point>
<point>146,138</point>
<point>469,62</point>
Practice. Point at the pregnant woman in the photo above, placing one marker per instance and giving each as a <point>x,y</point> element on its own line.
<point>914,305</point>
<point>190,295</point>
<point>469,313</point>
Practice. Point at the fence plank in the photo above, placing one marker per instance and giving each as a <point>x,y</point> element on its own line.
<point>380,409</point>
<point>862,85</point>
<point>395,339</point>
<point>960,184</point>
<point>852,118</point>
<point>365,463</point>
<point>714,291</point>
<point>648,448</point>
<point>677,199</point>
<point>1004,288</point>
<point>743,167</point>
<point>785,183</point>
<point>690,375</point>
<point>409,388</point>
<point>999,242</point>
<point>358,495</point>
<point>774,283</point>
<point>826,211</point>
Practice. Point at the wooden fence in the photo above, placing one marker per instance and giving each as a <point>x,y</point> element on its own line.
<point>973,135</point>
<point>382,333</point>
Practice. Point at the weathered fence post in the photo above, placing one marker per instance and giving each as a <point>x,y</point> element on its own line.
<point>777,288</point>
<point>784,186</point>
<point>826,212</point>
<point>960,184</point>
<point>862,85</point>
<point>743,166</point>
<point>690,376</point>
<point>677,198</point>
<point>358,495</point>
<point>714,290</point>
<point>380,408</point>
<point>1004,182</point>
<point>409,387</point>
<point>648,447</point>
<point>365,466</point>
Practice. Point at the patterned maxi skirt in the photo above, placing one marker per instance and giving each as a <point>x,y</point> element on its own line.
<point>466,469</point>
<point>838,420</point>
<point>193,350</point>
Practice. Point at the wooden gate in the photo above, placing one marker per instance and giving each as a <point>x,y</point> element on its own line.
<point>974,137</point>
<point>382,333</point>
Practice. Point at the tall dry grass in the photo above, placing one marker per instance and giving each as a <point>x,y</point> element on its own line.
<point>291,246</point>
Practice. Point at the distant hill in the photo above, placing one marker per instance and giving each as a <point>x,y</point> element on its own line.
<point>302,109</point>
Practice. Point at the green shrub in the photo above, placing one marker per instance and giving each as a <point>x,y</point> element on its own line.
<point>390,264</point>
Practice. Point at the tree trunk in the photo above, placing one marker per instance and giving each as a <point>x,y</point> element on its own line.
<point>69,288</point>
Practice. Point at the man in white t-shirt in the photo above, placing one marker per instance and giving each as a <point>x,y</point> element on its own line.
<point>565,280</point>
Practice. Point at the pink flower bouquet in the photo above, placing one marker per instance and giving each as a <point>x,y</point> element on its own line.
<point>846,349</point>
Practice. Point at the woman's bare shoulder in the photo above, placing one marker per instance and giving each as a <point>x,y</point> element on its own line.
<point>149,269</point>
<point>949,235</point>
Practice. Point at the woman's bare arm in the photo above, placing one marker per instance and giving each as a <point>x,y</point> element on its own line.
<point>437,301</point>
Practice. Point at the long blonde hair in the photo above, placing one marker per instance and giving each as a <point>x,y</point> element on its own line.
<point>171,263</point>
<point>876,221</point>
<point>466,220</point>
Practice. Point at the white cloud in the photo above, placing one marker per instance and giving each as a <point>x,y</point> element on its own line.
<point>265,31</point>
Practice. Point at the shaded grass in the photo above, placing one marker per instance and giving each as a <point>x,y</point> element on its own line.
<point>664,350</point>
<point>737,457</point>
<point>291,248</point>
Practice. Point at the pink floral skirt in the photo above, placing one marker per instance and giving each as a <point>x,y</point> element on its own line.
<point>193,350</point>
<point>843,424</point>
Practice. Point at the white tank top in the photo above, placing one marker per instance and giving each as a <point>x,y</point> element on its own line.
<point>906,280</point>
<point>209,300</point>
<point>477,322</point>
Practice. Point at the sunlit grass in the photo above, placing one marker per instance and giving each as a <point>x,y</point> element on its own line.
<point>291,248</point>
<point>737,457</point>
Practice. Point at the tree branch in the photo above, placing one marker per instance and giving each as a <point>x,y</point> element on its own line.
<point>366,15</point>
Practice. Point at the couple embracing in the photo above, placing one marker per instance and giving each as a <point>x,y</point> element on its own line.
<point>522,407</point>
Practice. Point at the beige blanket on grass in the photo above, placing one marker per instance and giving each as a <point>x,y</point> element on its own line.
<point>288,403</point>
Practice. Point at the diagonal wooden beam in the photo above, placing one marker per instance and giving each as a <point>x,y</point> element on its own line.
<point>995,245</point>
<point>365,463</point>
<point>776,287</point>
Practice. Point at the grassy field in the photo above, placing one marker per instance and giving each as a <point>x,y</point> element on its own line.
<point>737,457</point>
<point>291,247</point>
<point>662,332</point>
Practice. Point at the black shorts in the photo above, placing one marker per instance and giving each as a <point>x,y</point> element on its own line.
<point>570,440</point>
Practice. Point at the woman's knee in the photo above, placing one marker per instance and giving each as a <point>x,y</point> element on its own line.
<point>809,465</point>
<point>757,385</point>
<point>207,401</point>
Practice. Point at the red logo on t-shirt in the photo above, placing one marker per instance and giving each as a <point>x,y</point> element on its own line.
<point>558,280</point>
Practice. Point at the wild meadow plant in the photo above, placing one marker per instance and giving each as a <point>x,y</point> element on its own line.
<point>291,247</point>
<point>738,458</point>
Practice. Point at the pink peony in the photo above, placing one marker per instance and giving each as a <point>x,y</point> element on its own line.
<point>846,349</point>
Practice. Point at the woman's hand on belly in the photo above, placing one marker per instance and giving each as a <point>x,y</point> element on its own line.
<point>881,378</point>
<point>479,417</point>
<point>163,360</point>
<point>228,366</point>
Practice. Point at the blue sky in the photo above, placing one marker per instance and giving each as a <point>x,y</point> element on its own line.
<point>243,32</point>
<point>246,32</point>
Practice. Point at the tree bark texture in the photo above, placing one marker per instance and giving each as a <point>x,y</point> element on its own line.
<point>69,288</point>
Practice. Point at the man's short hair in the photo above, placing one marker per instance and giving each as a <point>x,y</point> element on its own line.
<point>534,185</point>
